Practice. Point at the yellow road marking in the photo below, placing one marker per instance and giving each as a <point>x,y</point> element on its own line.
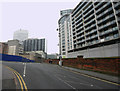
<point>20,80</point>
<point>93,77</point>
<point>23,82</point>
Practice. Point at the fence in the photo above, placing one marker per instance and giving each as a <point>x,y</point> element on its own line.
<point>6,57</point>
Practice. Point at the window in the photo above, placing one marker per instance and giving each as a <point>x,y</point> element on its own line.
<point>115,35</point>
<point>107,38</point>
<point>63,53</point>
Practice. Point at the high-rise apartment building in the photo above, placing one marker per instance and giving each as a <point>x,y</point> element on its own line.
<point>20,35</point>
<point>96,29</point>
<point>34,45</point>
<point>65,32</point>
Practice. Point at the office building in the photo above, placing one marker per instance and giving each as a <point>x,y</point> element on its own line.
<point>20,35</point>
<point>96,29</point>
<point>65,32</point>
<point>34,44</point>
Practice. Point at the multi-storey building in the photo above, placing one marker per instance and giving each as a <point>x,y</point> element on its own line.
<point>34,45</point>
<point>14,47</point>
<point>3,48</point>
<point>65,32</point>
<point>96,29</point>
<point>20,35</point>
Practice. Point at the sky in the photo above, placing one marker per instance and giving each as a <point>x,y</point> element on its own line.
<point>39,18</point>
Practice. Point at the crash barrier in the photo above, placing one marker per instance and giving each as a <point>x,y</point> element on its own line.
<point>111,65</point>
<point>6,57</point>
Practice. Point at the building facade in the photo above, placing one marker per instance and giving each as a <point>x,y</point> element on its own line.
<point>96,29</point>
<point>65,32</point>
<point>20,35</point>
<point>14,47</point>
<point>52,56</point>
<point>3,48</point>
<point>34,45</point>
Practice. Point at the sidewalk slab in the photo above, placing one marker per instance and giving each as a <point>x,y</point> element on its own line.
<point>96,74</point>
<point>8,80</point>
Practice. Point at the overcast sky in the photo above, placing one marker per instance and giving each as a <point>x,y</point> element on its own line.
<point>39,18</point>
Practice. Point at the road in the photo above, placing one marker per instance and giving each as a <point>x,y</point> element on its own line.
<point>49,76</point>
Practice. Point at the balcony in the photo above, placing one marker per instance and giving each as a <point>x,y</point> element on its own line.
<point>90,22</point>
<point>81,23</point>
<point>109,31</point>
<point>98,5</point>
<point>119,19</point>
<point>89,13</point>
<point>115,29</point>
<point>81,41</point>
<point>91,37</point>
<point>90,27</point>
<point>115,35</point>
<point>103,7</point>
<point>80,37</point>
<point>79,7</point>
<point>95,36</point>
<point>118,12</point>
<point>81,32</point>
<point>117,5</point>
<point>87,9</point>
<point>89,18</point>
<point>105,19</point>
<point>106,25</point>
<point>91,32</point>
<point>104,13</point>
<point>79,17</point>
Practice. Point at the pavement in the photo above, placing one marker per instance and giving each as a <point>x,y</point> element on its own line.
<point>48,76</point>
<point>8,79</point>
<point>96,74</point>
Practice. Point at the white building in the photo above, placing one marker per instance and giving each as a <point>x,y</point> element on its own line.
<point>65,33</point>
<point>21,35</point>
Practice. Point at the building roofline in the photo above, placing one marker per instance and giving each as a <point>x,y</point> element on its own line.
<point>62,17</point>
<point>76,7</point>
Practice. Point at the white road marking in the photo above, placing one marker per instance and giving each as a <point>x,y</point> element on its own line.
<point>65,82</point>
<point>87,84</point>
<point>91,85</point>
<point>80,83</point>
<point>24,70</point>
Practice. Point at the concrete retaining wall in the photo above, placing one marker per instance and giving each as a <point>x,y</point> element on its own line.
<point>103,51</point>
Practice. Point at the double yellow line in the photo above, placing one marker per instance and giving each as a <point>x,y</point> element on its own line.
<point>21,81</point>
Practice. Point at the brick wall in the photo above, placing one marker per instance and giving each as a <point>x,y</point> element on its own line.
<point>111,65</point>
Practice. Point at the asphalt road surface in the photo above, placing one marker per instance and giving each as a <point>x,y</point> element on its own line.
<point>49,76</point>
